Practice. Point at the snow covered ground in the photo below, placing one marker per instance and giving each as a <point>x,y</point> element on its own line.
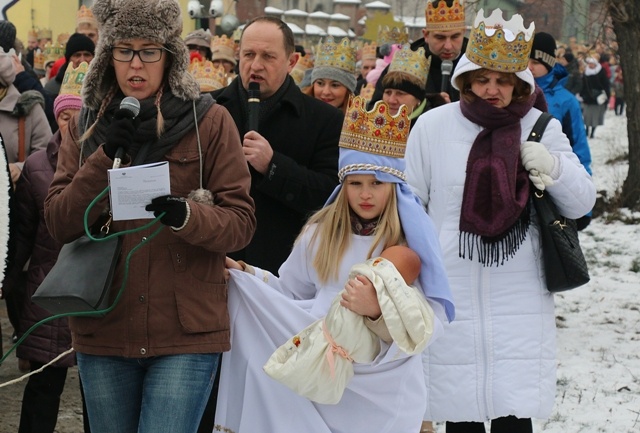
<point>599,324</point>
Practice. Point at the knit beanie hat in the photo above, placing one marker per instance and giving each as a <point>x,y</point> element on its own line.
<point>544,50</point>
<point>78,42</point>
<point>159,21</point>
<point>345,78</point>
<point>336,61</point>
<point>7,35</point>
<point>7,70</point>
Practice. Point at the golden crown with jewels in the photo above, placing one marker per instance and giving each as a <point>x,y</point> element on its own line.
<point>411,62</point>
<point>444,18</point>
<point>208,76</point>
<point>45,34</point>
<point>223,48</point>
<point>85,16</point>
<point>63,38</point>
<point>32,35</point>
<point>369,51</point>
<point>500,45</point>
<point>375,131</point>
<point>393,35</point>
<point>53,52</point>
<point>73,79</point>
<point>340,55</point>
<point>38,60</point>
<point>303,64</point>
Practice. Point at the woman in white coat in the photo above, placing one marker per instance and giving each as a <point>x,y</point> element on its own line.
<point>496,361</point>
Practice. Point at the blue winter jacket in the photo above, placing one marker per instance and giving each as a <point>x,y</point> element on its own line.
<point>564,106</point>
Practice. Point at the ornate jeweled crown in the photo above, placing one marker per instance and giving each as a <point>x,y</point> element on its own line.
<point>393,35</point>
<point>73,78</point>
<point>341,55</point>
<point>63,38</point>
<point>32,35</point>
<point>38,60</point>
<point>444,18</point>
<point>85,16</point>
<point>209,77</point>
<point>411,62</point>
<point>45,34</point>
<point>367,92</point>
<point>223,41</point>
<point>304,62</point>
<point>369,51</point>
<point>53,52</point>
<point>375,131</point>
<point>500,45</point>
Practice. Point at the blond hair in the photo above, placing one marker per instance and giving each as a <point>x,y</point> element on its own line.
<point>333,233</point>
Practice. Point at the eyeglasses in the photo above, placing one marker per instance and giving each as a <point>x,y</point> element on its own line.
<point>146,55</point>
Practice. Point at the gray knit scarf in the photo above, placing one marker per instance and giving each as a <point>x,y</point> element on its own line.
<point>178,122</point>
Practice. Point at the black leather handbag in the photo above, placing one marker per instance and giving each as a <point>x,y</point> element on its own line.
<point>564,263</point>
<point>81,278</point>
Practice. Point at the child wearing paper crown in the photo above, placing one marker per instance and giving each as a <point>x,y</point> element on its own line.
<point>36,247</point>
<point>371,210</point>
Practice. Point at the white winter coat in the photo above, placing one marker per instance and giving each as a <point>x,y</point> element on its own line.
<point>497,357</point>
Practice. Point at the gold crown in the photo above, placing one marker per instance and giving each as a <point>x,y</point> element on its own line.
<point>500,45</point>
<point>367,92</point>
<point>304,62</point>
<point>375,131</point>
<point>32,35</point>
<point>443,18</point>
<point>222,41</point>
<point>223,48</point>
<point>45,34</point>
<point>38,60</point>
<point>209,77</point>
<point>393,35</point>
<point>85,16</point>
<point>369,51</point>
<point>73,79</point>
<point>53,52</point>
<point>411,62</point>
<point>63,38</point>
<point>341,55</point>
<point>237,33</point>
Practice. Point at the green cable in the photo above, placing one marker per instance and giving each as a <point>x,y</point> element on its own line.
<point>124,278</point>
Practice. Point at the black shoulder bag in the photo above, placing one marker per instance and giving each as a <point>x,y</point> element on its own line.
<point>564,264</point>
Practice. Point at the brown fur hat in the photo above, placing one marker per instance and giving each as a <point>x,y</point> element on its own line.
<point>156,20</point>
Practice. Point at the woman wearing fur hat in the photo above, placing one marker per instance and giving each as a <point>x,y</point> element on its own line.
<point>497,360</point>
<point>333,76</point>
<point>596,91</point>
<point>147,365</point>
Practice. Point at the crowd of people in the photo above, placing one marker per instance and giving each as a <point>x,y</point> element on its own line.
<point>294,171</point>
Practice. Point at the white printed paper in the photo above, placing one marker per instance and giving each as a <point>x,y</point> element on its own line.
<point>132,188</point>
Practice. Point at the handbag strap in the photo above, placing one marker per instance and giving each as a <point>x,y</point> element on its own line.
<point>539,127</point>
<point>22,151</point>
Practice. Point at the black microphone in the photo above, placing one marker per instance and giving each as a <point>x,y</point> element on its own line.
<point>446,68</point>
<point>132,106</point>
<point>254,105</point>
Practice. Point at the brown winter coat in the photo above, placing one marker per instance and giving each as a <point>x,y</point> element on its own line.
<point>175,298</point>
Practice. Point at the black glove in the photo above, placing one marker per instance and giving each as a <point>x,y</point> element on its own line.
<point>120,133</point>
<point>176,210</point>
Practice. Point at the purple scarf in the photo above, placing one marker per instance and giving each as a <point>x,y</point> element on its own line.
<point>496,190</point>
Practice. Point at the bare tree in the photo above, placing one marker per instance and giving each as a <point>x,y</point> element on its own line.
<point>625,18</point>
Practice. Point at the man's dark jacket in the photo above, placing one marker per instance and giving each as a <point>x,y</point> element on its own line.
<point>434,79</point>
<point>304,134</point>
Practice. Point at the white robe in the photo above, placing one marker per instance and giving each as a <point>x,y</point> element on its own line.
<point>387,395</point>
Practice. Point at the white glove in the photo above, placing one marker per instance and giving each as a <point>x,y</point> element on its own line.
<point>535,156</point>
<point>540,181</point>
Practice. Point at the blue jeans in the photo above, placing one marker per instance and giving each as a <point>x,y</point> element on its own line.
<point>148,395</point>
